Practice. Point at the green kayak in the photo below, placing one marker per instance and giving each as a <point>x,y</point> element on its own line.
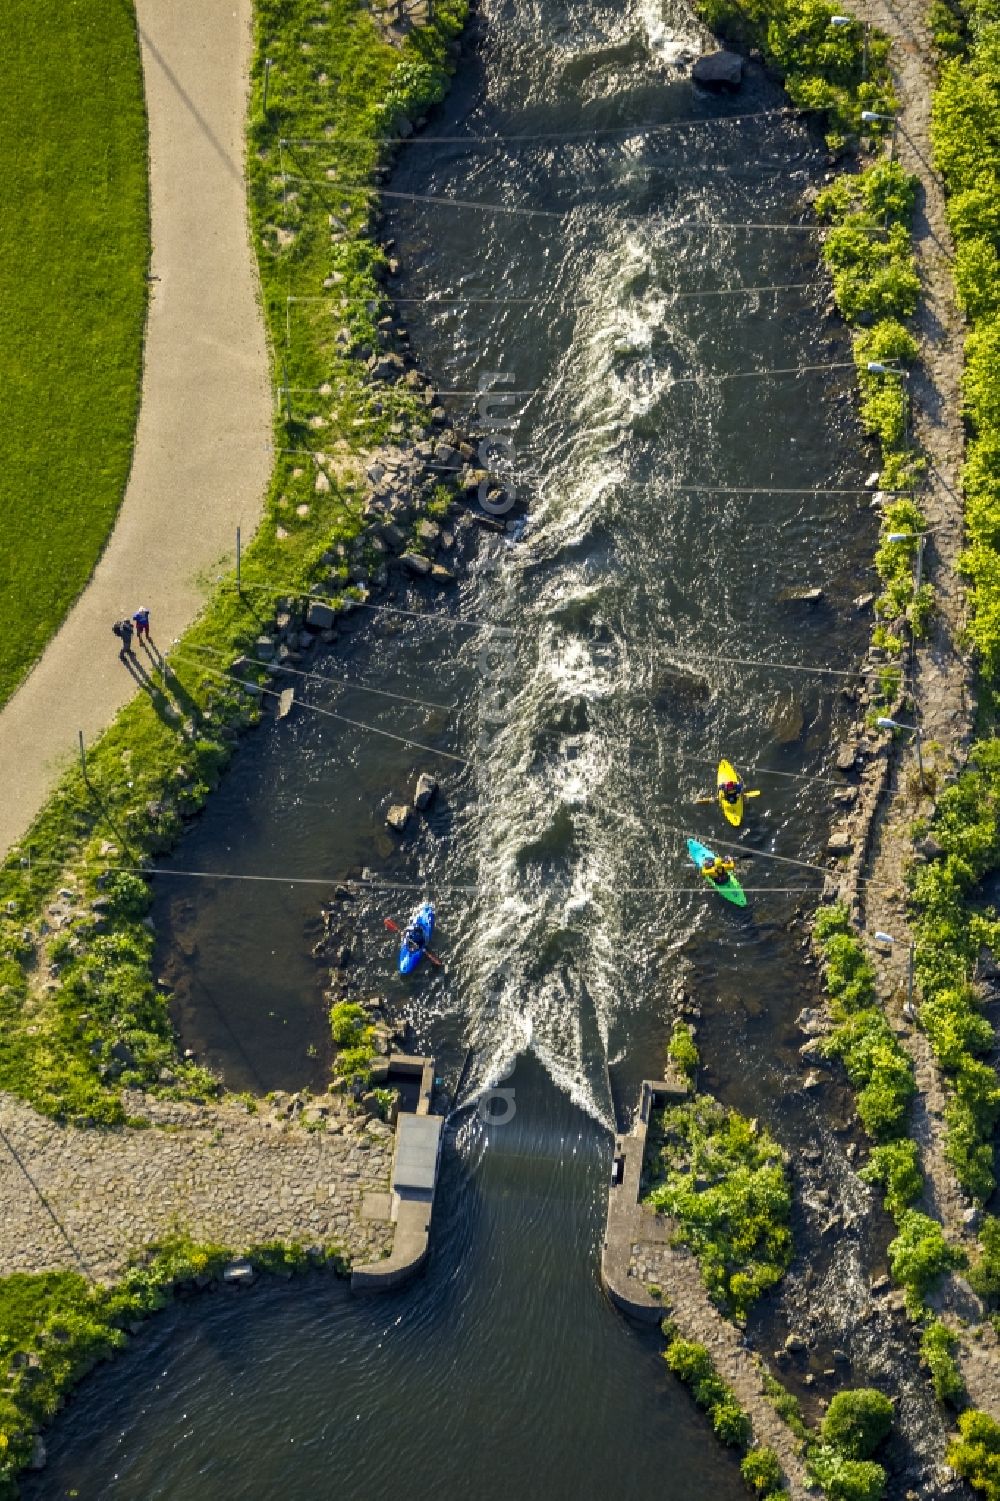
<point>730,888</point>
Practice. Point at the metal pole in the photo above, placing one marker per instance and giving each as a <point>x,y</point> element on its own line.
<point>83,757</point>
<point>238,557</point>
<point>267,77</point>
<point>920,759</point>
<point>288,397</point>
<point>864,54</point>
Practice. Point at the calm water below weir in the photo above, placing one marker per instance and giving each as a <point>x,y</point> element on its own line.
<point>567,912</point>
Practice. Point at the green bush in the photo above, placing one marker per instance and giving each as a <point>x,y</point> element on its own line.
<point>985,1273</point>
<point>348,1023</point>
<point>920,1255</point>
<point>949,934</point>
<point>724,1182</point>
<point>976,1453</point>
<point>844,1479</point>
<point>936,1352</point>
<point>693,1364</point>
<point>681,1049</point>
<point>895,1168</point>
<point>761,1469</point>
<point>856,1422</point>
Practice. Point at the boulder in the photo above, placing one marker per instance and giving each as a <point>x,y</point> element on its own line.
<point>840,842</point>
<point>446,455</point>
<point>428,533</point>
<point>386,367</point>
<point>795,1344</point>
<point>413,563</point>
<point>442,575</point>
<point>847,757</point>
<point>392,536</point>
<point>718,70</point>
<point>264,648</point>
<point>425,790</point>
<point>398,817</point>
<point>321,617</point>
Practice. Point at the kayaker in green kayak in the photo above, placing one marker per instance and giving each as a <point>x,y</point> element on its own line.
<point>719,870</point>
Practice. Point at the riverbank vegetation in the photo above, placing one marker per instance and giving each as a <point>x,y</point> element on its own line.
<point>74,253</point>
<point>723,1180</point>
<point>975,1454</point>
<point>55,1327</point>
<point>839,1458</point>
<point>80,1013</point>
<point>950,929</point>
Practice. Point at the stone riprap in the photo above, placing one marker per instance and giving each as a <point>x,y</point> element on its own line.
<point>97,1197</point>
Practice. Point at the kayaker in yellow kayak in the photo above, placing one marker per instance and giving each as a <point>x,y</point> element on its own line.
<point>719,870</point>
<point>732,791</point>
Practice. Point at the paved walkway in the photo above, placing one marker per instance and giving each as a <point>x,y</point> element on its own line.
<point>97,1197</point>
<point>200,465</point>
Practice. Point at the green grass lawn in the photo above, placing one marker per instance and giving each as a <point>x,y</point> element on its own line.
<point>74,250</point>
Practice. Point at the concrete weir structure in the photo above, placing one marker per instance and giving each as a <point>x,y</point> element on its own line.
<point>637,1254</point>
<point>410,1200</point>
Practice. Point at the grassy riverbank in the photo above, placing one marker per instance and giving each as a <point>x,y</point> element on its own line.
<point>74,252</point>
<point>55,1327</point>
<point>80,1014</point>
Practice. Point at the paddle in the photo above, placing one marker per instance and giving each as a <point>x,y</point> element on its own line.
<point>715,798</point>
<point>432,957</point>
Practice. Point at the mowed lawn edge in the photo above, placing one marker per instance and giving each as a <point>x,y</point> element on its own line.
<point>74,258</point>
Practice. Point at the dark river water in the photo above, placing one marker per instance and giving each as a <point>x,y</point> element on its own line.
<point>633,614</point>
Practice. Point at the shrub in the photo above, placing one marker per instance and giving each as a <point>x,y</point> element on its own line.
<point>761,1469</point>
<point>895,1168</point>
<point>681,1049</point>
<point>920,1255</point>
<point>856,1422</point>
<point>936,1348</point>
<point>347,1023</point>
<point>985,1273</point>
<point>844,1479</point>
<point>724,1182</point>
<point>693,1364</point>
<point>976,1453</point>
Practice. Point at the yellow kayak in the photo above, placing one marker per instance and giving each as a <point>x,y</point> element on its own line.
<point>733,810</point>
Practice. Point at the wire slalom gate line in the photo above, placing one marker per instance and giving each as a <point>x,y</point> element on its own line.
<point>320,677</point>
<point>327,713</point>
<point>440,200</point>
<point>665,294</point>
<point>692,658</point>
<point>378,884</point>
<point>648,128</point>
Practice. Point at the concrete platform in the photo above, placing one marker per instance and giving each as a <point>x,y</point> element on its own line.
<point>413,1182</point>
<point>636,1250</point>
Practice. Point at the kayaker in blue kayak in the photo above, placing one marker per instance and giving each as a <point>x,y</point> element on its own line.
<point>415,938</point>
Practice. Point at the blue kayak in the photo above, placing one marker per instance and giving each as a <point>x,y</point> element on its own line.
<point>730,888</point>
<point>410,953</point>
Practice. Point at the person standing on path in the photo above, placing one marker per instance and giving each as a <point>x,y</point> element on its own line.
<point>123,630</point>
<point>141,618</point>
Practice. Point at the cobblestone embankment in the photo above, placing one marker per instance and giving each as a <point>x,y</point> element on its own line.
<point>97,1197</point>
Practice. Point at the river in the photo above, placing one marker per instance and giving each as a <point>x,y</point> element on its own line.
<point>636,613</point>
